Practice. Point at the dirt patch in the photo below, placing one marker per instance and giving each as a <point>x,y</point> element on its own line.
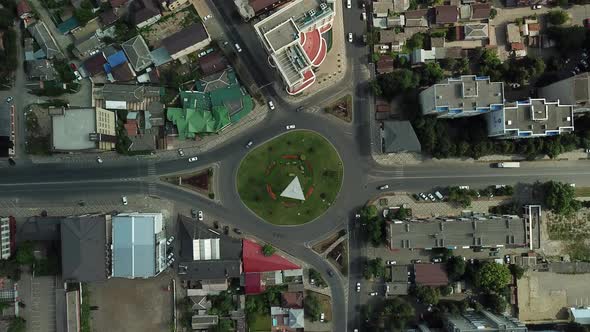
<point>169,24</point>
<point>321,246</point>
<point>325,304</point>
<point>568,235</point>
<point>342,108</point>
<point>38,124</point>
<point>339,257</point>
<point>201,182</point>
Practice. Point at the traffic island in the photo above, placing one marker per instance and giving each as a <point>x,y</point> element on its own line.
<point>200,181</point>
<point>291,179</point>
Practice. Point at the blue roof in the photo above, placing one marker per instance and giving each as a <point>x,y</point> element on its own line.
<point>68,25</point>
<point>134,247</point>
<point>581,315</point>
<point>117,59</point>
<point>160,56</point>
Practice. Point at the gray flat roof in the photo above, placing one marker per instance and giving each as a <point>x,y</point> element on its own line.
<point>282,35</point>
<point>70,130</point>
<point>492,231</point>
<point>134,248</point>
<point>538,116</point>
<point>468,93</point>
<point>399,273</point>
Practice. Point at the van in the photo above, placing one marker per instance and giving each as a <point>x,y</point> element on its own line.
<point>438,195</point>
<point>348,4</point>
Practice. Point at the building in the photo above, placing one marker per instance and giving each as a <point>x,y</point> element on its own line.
<point>574,90</point>
<point>580,315</point>
<point>7,240</point>
<point>513,33</point>
<point>206,258</point>
<point>213,63</point>
<point>459,232</point>
<point>144,13</point>
<point>83,249</point>
<point>40,70</point>
<point>477,321</point>
<point>128,97</point>
<point>397,280</point>
<point>262,270</point>
<point>45,40</point>
<point>293,37</point>
<point>204,322</point>
<point>139,245</point>
<point>446,14</point>
<point>476,31</point>
<point>384,65</point>
<point>531,118</point>
<point>286,319</point>
<point>210,106</point>
<point>174,5</point>
<point>431,275</point>
<point>382,8</point>
<point>138,53</point>
<point>82,129</point>
<point>84,47</point>
<point>292,300</point>
<point>480,11</point>
<point>463,96</point>
<point>187,41</point>
<point>249,9</point>
<point>95,64</point>
<point>416,18</point>
<point>23,10</point>
<point>399,136</point>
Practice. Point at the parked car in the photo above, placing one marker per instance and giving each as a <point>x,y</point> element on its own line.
<point>330,273</point>
<point>299,109</point>
<point>181,152</point>
<point>436,260</point>
<point>238,48</point>
<point>416,261</point>
<point>192,159</point>
<point>373,293</point>
<point>9,99</point>
<point>391,262</point>
<point>200,215</point>
<point>249,144</point>
<point>290,127</point>
<point>358,287</point>
<point>271,105</point>
<point>169,242</point>
<point>464,187</point>
<point>507,259</point>
<point>99,160</point>
<point>124,199</point>
<point>537,6</point>
<point>322,317</point>
<point>494,254</point>
<point>350,37</point>
<point>78,76</point>
<point>431,197</point>
<point>422,195</point>
<point>207,17</point>
<point>383,187</point>
<point>73,66</point>
<point>238,231</point>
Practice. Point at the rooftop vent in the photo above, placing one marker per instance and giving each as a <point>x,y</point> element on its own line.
<point>509,122</point>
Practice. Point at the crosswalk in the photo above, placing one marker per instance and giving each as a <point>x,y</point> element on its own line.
<point>398,172</point>
<point>151,171</point>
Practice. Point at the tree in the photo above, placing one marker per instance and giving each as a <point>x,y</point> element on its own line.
<point>416,41</point>
<point>24,253</point>
<point>560,198</point>
<point>497,303</point>
<point>317,278</point>
<point>84,13</point>
<point>222,303</point>
<point>401,213</point>
<point>397,82</point>
<point>493,277</point>
<point>368,212</point>
<point>397,312</point>
<point>268,250</point>
<point>459,197</point>
<point>374,268</point>
<point>445,290</point>
<point>568,39</point>
<point>557,17</point>
<point>312,307</point>
<point>517,270</point>
<point>17,324</point>
<point>493,13</point>
<point>455,267</point>
<point>428,295</point>
<point>431,73</point>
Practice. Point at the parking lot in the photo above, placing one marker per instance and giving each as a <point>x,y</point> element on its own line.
<point>132,305</point>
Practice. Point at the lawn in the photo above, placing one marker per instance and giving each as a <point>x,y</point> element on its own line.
<point>267,170</point>
<point>260,323</point>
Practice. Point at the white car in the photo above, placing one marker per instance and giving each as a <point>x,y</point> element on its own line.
<point>422,195</point>
<point>200,214</point>
<point>99,160</point>
<point>249,145</point>
<point>437,260</point>
<point>9,99</point>
<point>322,317</point>
<point>536,6</point>
<point>350,37</point>
<point>384,187</point>
<point>373,294</point>
<point>169,242</point>
<point>507,259</point>
<point>464,187</point>
<point>391,262</point>
<point>207,17</point>
<point>192,159</point>
<point>431,197</point>
<point>358,287</point>
<point>271,105</point>
<point>238,48</point>
<point>181,152</point>
<point>124,199</point>
<point>290,127</point>
<point>78,76</point>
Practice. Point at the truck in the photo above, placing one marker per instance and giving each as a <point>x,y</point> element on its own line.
<point>508,164</point>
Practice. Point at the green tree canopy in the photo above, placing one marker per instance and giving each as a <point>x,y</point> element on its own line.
<point>517,270</point>
<point>497,303</point>
<point>268,250</point>
<point>397,82</point>
<point>560,198</point>
<point>397,312</point>
<point>428,295</point>
<point>557,17</point>
<point>312,307</point>
<point>493,277</point>
<point>455,267</point>
<point>24,253</point>
<point>374,268</point>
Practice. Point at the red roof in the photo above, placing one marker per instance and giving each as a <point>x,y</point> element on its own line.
<point>131,127</point>
<point>22,7</point>
<point>431,275</point>
<point>253,284</point>
<point>517,46</point>
<point>255,261</point>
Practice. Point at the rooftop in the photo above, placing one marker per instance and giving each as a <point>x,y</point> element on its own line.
<point>473,321</point>
<point>70,130</point>
<point>538,116</point>
<point>431,274</point>
<point>83,241</point>
<point>446,14</point>
<point>458,232</point>
<point>255,261</point>
<point>187,37</point>
<point>399,136</point>
<point>138,53</point>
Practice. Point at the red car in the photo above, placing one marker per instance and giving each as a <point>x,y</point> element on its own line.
<point>587,23</point>
<point>73,66</point>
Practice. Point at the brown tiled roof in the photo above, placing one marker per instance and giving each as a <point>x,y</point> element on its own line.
<point>382,106</point>
<point>108,17</point>
<point>292,300</point>
<point>431,275</point>
<point>260,5</point>
<point>143,10</point>
<point>117,3</point>
<point>185,38</point>
<point>385,65</point>
<point>212,63</point>
<point>517,46</point>
<point>94,64</point>
<point>416,13</point>
<point>534,27</point>
<point>481,11</point>
<point>123,73</point>
<point>446,14</point>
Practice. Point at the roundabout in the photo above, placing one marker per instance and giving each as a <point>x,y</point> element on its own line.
<point>291,179</point>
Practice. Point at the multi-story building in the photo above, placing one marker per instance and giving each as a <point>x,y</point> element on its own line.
<point>530,118</point>
<point>293,38</point>
<point>7,230</point>
<point>78,129</point>
<point>464,96</point>
<point>483,320</point>
<point>574,90</point>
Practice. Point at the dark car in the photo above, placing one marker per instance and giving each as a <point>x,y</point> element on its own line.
<point>330,273</point>
<point>226,230</point>
<point>237,230</point>
<point>194,213</point>
<point>216,224</point>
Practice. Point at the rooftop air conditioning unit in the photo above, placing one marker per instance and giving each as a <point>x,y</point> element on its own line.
<point>509,122</point>
<point>569,118</point>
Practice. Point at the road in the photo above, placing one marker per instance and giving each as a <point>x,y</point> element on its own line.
<point>33,185</point>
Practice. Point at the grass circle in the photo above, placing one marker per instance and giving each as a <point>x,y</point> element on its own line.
<point>267,170</point>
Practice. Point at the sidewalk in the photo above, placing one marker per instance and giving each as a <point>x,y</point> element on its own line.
<point>409,158</point>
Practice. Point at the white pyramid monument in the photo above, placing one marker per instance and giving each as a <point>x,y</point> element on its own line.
<point>294,190</point>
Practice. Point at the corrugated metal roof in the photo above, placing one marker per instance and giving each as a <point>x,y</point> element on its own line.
<point>133,247</point>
